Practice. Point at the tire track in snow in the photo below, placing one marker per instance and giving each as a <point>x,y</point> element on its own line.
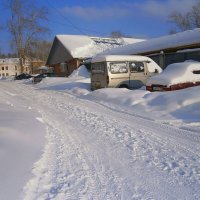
<point>93,188</point>
<point>141,146</point>
<point>171,163</point>
<point>62,107</point>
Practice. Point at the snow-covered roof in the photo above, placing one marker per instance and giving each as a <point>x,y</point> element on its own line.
<point>66,47</point>
<point>9,60</point>
<point>177,73</point>
<point>183,39</point>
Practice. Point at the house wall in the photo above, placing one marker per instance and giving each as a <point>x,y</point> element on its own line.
<point>11,67</point>
<point>65,69</point>
<point>164,59</point>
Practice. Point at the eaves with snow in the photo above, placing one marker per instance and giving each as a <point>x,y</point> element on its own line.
<point>68,47</point>
<point>9,60</point>
<point>179,41</point>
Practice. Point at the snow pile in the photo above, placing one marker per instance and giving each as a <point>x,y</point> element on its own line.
<point>77,83</point>
<point>181,106</point>
<point>80,72</point>
<point>21,141</point>
<point>174,107</point>
<point>177,73</point>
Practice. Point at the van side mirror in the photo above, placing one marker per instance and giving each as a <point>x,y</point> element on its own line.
<point>156,70</point>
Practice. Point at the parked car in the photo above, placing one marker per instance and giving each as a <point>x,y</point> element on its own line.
<point>123,71</point>
<point>39,77</point>
<point>175,77</point>
<point>22,76</point>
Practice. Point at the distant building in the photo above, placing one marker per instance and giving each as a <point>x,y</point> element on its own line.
<point>166,49</point>
<point>69,51</point>
<point>11,67</point>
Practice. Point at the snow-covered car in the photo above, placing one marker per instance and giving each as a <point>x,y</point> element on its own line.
<point>39,77</point>
<point>22,76</point>
<point>175,77</point>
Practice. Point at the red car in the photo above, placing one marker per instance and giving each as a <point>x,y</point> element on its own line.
<point>175,77</point>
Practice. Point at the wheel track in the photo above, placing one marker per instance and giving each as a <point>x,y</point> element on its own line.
<point>151,138</point>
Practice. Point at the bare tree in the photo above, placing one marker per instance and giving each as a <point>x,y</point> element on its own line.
<point>195,14</point>
<point>24,26</point>
<point>40,49</point>
<point>116,34</point>
<point>189,20</point>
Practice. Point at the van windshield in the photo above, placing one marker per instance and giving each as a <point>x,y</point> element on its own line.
<point>98,68</point>
<point>118,67</point>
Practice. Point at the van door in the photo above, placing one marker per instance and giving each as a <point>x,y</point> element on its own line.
<point>98,75</point>
<point>118,74</point>
<point>138,74</point>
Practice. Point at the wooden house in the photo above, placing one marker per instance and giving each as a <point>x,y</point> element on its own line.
<point>69,51</point>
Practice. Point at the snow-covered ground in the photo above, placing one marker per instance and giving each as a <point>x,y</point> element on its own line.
<point>59,140</point>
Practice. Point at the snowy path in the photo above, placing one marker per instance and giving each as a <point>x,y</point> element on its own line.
<point>94,152</point>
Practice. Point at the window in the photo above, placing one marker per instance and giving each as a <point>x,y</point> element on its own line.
<point>136,67</point>
<point>3,74</point>
<point>2,68</point>
<point>98,68</point>
<point>15,68</point>
<point>117,68</point>
<point>7,74</point>
<point>6,67</point>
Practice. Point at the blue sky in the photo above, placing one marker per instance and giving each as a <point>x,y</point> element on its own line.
<point>137,18</point>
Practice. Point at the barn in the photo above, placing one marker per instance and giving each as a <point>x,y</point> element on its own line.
<point>69,51</point>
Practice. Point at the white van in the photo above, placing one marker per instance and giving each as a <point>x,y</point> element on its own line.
<point>123,71</point>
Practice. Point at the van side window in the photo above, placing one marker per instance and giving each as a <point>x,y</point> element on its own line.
<point>116,68</point>
<point>136,67</point>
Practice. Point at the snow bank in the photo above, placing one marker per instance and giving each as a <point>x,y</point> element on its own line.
<point>80,72</point>
<point>77,83</point>
<point>182,105</point>
<point>21,143</point>
<point>172,106</point>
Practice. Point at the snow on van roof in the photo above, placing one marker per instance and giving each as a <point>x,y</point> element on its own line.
<point>152,66</point>
<point>120,58</point>
<point>185,38</point>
